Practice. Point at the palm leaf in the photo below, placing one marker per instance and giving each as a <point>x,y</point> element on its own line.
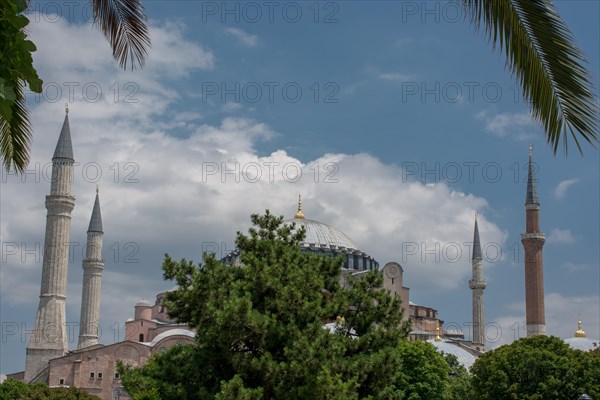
<point>540,52</point>
<point>123,23</point>
<point>15,135</point>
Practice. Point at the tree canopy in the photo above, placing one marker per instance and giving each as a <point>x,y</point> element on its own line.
<point>536,368</point>
<point>261,334</point>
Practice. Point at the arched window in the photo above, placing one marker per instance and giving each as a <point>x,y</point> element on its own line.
<point>141,337</point>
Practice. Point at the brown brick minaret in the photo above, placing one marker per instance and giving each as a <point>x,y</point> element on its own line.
<point>533,241</point>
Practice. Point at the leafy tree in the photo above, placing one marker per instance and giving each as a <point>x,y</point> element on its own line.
<point>423,372</point>
<point>16,390</point>
<point>459,387</point>
<point>16,70</point>
<point>260,328</point>
<point>537,368</point>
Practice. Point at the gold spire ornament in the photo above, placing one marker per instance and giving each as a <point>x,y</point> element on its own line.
<point>299,214</point>
<point>437,331</point>
<point>67,108</point>
<point>580,332</point>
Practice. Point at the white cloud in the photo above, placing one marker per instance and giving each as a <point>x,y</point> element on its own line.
<point>243,37</point>
<point>401,42</point>
<point>396,77</point>
<point>183,193</point>
<point>561,319</point>
<point>579,267</point>
<point>518,125</point>
<point>561,189</point>
<point>561,236</point>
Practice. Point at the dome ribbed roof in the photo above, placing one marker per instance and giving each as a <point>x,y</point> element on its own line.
<point>172,332</point>
<point>318,233</point>
<point>582,343</point>
<point>465,358</point>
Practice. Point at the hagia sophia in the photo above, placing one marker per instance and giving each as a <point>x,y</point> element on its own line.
<point>92,366</point>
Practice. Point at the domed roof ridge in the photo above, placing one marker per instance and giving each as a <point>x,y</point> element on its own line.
<point>318,232</point>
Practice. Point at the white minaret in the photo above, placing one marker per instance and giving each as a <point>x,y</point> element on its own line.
<point>49,336</point>
<point>93,264</point>
<point>477,285</point>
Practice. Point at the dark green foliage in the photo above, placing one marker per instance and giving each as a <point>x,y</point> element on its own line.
<point>261,336</point>
<point>537,368</point>
<point>459,387</point>
<point>423,373</point>
<point>16,390</point>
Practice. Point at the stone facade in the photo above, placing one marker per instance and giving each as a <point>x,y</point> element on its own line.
<point>424,322</point>
<point>94,369</point>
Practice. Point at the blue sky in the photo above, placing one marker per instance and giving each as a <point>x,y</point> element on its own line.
<point>400,118</point>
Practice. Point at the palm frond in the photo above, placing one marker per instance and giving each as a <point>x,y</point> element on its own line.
<point>15,135</point>
<point>540,52</point>
<point>124,25</point>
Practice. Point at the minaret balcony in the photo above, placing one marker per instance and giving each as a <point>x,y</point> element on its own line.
<point>533,235</point>
<point>477,284</point>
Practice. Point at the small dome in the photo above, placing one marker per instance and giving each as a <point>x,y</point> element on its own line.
<point>465,358</point>
<point>143,303</point>
<point>172,332</point>
<point>582,343</point>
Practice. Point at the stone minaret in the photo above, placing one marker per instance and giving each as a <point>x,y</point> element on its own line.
<point>477,285</point>
<point>92,277</point>
<point>49,337</point>
<point>533,241</point>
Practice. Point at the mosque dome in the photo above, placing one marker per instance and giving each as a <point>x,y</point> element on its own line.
<point>143,303</point>
<point>323,238</point>
<point>322,235</point>
<point>583,344</point>
<point>580,341</point>
<point>465,358</point>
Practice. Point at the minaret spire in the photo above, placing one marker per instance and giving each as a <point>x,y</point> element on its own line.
<point>579,332</point>
<point>49,336</point>
<point>532,195</point>
<point>299,214</point>
<point>533,242</point>
<point>93,265</point>
<point>477,285</point>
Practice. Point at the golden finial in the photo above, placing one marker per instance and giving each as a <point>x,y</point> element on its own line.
<point>299,214</point>
<point>97,189</point>
<point>580,332</point>
<point>530,150</point>
<point>67,108</point>
<point>437,331</point>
